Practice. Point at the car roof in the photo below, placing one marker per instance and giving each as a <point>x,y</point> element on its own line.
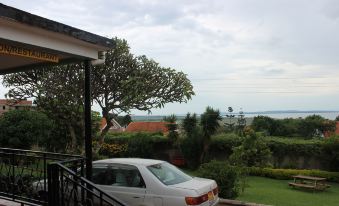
<point>131,161</point>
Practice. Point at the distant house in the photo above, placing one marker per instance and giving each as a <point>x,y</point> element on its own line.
<point>327,134</point>
<point>115,128</point>
<point>336,132</point>
<point>7,105</point>
<point>147,127</point>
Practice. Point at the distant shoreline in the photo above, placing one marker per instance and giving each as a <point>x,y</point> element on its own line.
<point>274,114</point>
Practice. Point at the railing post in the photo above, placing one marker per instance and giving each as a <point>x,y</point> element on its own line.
<point>53,185</point>
<point>13,174</point>
<point>88,123</point>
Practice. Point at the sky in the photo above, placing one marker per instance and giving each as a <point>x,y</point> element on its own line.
<point>257,55</point>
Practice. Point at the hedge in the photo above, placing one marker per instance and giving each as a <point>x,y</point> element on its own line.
<point>278,145</point>
<point>142,145</point>
<point>286,174</point>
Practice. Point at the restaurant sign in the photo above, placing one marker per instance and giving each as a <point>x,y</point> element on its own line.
<point>29,53</point>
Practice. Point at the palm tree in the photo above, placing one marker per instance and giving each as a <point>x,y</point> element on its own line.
<point>209,123</point>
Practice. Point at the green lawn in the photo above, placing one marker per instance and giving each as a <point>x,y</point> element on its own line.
<point>278,193</point>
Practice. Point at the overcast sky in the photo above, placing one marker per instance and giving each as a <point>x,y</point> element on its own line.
<point>251,54</point>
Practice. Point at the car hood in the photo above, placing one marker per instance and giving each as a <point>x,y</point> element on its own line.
<point>200,185</point>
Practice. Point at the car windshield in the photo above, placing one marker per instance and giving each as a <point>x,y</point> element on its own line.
<point>168,174</point>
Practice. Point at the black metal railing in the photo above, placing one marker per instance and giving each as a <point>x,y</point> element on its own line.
<point>67,187</point>
<point>44,178</point>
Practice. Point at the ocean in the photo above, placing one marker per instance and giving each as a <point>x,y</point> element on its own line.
<point>282,115</point>
<point>277,115</point>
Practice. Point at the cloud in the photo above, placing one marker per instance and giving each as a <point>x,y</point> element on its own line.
<point>267,54</point>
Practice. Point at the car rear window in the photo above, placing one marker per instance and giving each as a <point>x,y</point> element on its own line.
<point>168,174</point>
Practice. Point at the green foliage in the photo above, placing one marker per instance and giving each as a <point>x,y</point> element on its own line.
<point>286,174</point>
<point>123,83</point>
<point>23,128</point>
<point>96,123</point>
<point>241,123</point>
<point>190,123</point>
<point>192,147</point>
<point>225,143</point>
<point>141,144</point>
<point>326,150</point>
<point>330,153</point>
<point>128,82</point>
<point>253,151</point>
<point>210,121</point>
<point>281,147</point>
<point>315,124</point>
<point>58,92</point>
<point>172,127</point>
<point>226,176</point>
<point>311,126</point>
<point>264,124</point>
<point>191,144</point>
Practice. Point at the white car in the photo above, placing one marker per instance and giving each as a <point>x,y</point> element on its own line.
<point>153,183</point>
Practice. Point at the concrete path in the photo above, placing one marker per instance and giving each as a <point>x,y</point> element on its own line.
<point>226,202</point>
<point>223,202</point>
<point>8,203</point>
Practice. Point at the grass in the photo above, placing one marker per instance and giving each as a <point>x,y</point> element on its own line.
<point>277,192</point>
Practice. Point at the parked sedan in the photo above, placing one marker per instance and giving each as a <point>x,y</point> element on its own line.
<point>152,182</point>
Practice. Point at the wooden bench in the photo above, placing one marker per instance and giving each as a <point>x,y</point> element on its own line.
<point>308,182</point>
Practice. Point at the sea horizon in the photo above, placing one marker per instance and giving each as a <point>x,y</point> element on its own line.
<point>277,114</point>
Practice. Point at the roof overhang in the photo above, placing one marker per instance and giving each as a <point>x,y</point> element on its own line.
<point>28,41</point>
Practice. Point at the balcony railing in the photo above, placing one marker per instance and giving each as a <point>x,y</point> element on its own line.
<point>44,178</point>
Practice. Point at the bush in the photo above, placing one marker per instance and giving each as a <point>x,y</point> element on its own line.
<point>286,174</point>
<point>252,152</point>
<point>141,144</point>
<point>113,150</point>
<point>226,176</point>
<point>23,128</point>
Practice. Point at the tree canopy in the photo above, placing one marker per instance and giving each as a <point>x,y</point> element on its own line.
<point>123,83</point>
<point>128,82</point>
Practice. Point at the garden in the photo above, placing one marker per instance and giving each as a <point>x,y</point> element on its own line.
<point>247,161</point>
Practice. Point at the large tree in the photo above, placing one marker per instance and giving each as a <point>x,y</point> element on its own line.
<point>123,83</point>
<point>128,82</point>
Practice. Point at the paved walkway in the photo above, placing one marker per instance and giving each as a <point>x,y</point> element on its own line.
<point>223,202</point>
<point>226,202</point>
<point>8,203</point>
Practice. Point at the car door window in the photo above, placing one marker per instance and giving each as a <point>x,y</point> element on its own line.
<point>128,176</point>
<point>117,175</point>
<point>102,175</point>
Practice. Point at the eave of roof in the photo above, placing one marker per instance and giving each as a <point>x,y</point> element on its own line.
<point>43,23</point>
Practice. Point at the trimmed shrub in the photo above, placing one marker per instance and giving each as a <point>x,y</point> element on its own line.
<point>141,144</point>
<point>286,174</point>
<point>226,176</point>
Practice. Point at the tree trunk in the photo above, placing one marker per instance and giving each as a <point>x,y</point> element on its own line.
<point>73,138</point>
<point>104,132</point>
<point>206,146</point>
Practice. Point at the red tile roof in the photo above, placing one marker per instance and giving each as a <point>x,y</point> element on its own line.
<point>10,102</point>
<point>147,127</point>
